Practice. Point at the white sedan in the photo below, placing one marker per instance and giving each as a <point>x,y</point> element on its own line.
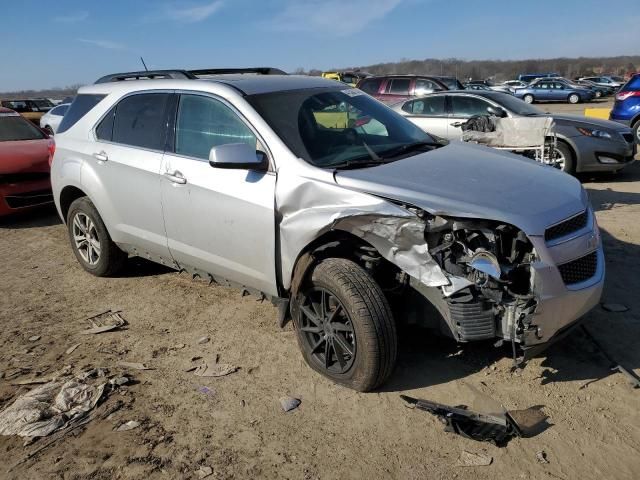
<point>50,121</point>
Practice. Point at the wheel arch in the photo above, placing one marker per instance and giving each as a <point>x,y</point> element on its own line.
<point>68,195</point>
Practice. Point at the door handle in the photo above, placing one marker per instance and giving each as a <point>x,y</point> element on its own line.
<point>101,156</point>
<point>176,177</point>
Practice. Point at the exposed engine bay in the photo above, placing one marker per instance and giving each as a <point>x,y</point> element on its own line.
<point>489,266</point>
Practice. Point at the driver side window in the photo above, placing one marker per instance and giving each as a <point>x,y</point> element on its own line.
<point>204,122</point>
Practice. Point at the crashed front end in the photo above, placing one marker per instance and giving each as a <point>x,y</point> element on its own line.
<point>504,284</point>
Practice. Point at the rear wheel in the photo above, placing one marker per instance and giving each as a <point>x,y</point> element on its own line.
<point>598,93</point>
<point>48,129</point>
<point>344,325</point>
<point>528,98</point>
<point>90,241</point>
<point>574,98</point>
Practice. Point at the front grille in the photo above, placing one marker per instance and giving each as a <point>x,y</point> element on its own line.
<point>579,270</point>
<point>30,199</point>
<point>628,137</point>
<point>571,225</point>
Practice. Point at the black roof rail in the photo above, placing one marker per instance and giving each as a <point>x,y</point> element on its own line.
<point>187,74</point>
<point>231,71</point>
<point>147,75</point>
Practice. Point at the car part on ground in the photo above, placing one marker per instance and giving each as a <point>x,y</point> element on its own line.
<point>25,158</point>
<point>611,149</point>
<point>371,220</point>
<point>496,428</point>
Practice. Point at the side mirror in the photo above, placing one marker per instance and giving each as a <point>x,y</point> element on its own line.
<point>497,111</point>
<point>238,156</point>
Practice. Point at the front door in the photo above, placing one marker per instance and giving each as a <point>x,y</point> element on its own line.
<point>219,221</point>
<point>463,107</point>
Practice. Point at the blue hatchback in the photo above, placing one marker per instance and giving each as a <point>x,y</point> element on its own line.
<point>626,109</point>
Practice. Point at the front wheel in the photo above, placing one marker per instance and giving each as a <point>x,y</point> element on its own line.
<point>90,240</point>
<point>528,98</point>
<point>574,98</point>
<point>563,157</point>
<point>344,325</point>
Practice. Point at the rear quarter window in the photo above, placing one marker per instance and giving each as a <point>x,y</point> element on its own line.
<point>15,128</point>
<point>78,109</point>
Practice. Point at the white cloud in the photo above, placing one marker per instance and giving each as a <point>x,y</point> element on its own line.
<point>107,44</point>
<point>333,17</point>
<point>74,17</point>
<point>193,14</point>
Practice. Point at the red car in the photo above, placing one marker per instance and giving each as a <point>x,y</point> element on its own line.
<point>395,88</point>
<point>25,159</point>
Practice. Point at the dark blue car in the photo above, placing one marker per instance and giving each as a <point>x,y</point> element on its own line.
<point>554,90</point>
<point>626,109</point>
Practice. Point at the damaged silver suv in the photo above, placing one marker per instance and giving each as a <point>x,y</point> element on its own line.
<point>333,206</point>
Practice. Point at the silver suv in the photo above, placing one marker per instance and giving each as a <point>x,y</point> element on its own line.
<point>333,206</point>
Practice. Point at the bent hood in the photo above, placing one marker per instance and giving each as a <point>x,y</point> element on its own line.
<point>472,181</point>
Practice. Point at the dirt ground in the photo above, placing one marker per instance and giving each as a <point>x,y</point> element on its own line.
<point>239,429</point>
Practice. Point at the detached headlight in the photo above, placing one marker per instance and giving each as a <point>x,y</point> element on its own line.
<point>594,133</point>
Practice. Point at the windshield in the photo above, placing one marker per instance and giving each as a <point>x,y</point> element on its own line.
<point>14,128</point>
<point>515,105</point>
<point>332,128</point>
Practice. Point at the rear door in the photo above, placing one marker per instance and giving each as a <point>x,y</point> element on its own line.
<point>219,221</point>
<point>126,159</point>
<point>463,107</point>
<point>396,90</point>
<point>429,113</point>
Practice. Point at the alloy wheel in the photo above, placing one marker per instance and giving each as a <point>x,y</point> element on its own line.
<point>327,331</point>
<point>86,239</point>
<point>559,159</point>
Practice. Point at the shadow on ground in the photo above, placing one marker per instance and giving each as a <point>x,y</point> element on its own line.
<point>45,216</point>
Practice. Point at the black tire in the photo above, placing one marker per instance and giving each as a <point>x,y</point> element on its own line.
<point>110,258</point>
<point>362,307</point>
<point>49,130</point>
<point>528,98</point>
<point>569,158</point>
<point>574,98</point>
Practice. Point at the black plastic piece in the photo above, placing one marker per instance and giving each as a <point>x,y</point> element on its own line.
<point>497,429</point>
<point>473,319</point>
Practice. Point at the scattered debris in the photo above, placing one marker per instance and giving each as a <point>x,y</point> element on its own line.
<point>531,421</point>
<point>119,381</point>
<point>34,338</point>
<point>134,365</point>
<point>72,348</point>
<point>50,407</point>
<point>216,370</point>
<point>207,391</point>
<point>496,428</point>
<point>130,425</point>
<point>104,322</point>
<point>615,307</point>
<point>204,472</point>
<point>468,459</point>
<point>289,403</point>
<point>202,340</point>
<point>178,346</point>
<point>541,456</point>
<point>634,380</point>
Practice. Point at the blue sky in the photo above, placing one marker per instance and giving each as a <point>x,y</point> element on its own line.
<point>71,41</point>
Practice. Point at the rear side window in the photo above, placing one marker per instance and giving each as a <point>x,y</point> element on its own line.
<point>371,85</point>
<point>140,121</point>
<point>60,110</point>
<point>14,128</point>
<point>204,122</point>
<point>399,86</point>
<point>463,106</point>
<point>633,84</point>
<point>78,109</point>
<point>431,106</point>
